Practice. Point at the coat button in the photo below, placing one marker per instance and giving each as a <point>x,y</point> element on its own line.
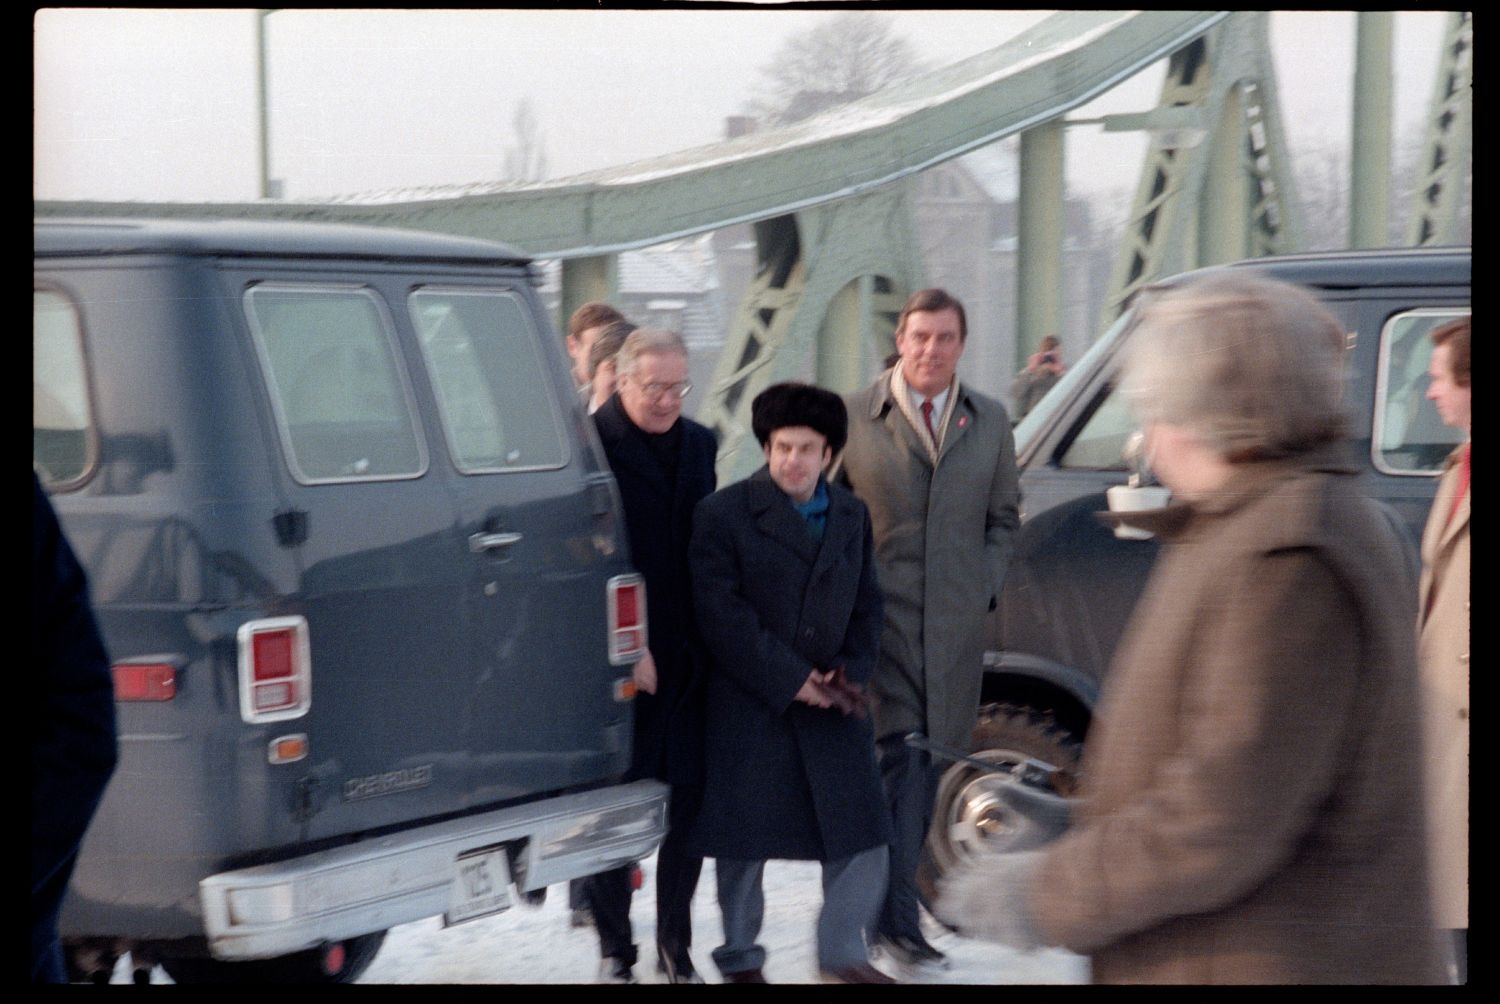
<point>1464,658</point>
<point>1463,714</point>
<point>807,632</point>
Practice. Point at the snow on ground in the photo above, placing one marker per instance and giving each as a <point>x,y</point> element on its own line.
<point>535,944</point>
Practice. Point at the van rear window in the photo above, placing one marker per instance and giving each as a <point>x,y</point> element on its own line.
<point>62,433</point>
<point>494,390</point>
<point>341,397</point>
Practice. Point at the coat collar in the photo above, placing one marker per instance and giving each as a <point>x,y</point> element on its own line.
<point>776,518</point>
<point>629,443</point>
<point>962,414</point>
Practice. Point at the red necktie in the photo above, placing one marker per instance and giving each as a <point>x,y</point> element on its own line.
<point>1462,487</point>
<point>927,417</point>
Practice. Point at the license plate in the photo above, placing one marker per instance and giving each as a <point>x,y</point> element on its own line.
<point>481,886</point>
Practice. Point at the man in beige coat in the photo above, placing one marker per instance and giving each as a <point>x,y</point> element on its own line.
<point>1443,647</point>
<point>935,462</point>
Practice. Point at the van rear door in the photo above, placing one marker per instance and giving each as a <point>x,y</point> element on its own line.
<point>543,705</point>
<point>381,576</point>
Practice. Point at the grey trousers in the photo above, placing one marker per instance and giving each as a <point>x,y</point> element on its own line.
<point>853,889</point>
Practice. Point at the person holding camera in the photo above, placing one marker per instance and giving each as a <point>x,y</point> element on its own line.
<point>1043,369</point>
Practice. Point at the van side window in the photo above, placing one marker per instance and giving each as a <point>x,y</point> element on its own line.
<point>1409,438</point>
<point>341,397</point>
<point>62,427</point>
<point>493,388</point>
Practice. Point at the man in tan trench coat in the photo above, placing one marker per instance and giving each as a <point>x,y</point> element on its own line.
<point>935,462</point>
<point>1443,647</point>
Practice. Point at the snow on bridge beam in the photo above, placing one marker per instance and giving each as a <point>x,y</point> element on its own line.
<point>1055,66</point>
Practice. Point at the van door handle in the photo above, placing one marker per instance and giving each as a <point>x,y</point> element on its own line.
<point>481,542</point>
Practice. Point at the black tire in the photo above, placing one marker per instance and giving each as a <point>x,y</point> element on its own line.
<point>966,820</point>
<point>335,962</point>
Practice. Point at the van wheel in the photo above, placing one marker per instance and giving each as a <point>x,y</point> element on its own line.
<point>968,819</point>
<point>333,962</point>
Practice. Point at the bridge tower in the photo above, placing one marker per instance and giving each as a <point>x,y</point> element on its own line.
<point>1216,184</point>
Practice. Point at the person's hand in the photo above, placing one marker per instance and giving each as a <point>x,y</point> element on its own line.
<point>812,692</point>
<point>644,674</point>
<point>985,898</point>
<point>850,698</point>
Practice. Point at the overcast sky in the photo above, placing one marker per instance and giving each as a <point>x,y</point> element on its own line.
<point>161,104</point>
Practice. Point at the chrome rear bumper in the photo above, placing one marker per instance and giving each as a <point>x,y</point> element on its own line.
<point>274,909</point>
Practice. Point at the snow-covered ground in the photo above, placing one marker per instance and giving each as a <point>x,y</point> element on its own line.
<point>536,945</point>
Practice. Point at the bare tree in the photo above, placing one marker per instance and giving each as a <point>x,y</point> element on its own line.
<point>526,158</point>
<point>844,58</point>
<point>1322,178</point>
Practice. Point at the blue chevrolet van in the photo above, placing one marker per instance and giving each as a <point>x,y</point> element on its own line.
<point>360,567</point>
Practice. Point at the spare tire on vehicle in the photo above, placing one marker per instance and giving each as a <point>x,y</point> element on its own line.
<point>969,818</point>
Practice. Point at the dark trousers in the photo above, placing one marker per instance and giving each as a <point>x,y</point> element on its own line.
<point>910,786</point>
<point>677,869</point>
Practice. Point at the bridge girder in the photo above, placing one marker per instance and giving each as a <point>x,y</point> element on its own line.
<point>1220,188</point>
<point>822,308</point>
<point>1445,164</point>
<point>1054,66</point>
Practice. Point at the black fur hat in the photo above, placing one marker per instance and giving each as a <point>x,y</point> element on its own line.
<point>785,405</point>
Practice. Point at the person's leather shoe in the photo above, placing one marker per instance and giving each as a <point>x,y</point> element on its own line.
<point>746,976</point>
<point>615,970</point>
<point>865,973</point>
<point>909,951</point>
<point>678,966</point>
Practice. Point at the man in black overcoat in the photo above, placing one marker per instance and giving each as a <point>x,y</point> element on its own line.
<point>663,464</point>
<point>784,579</point>
<point>73,746</point>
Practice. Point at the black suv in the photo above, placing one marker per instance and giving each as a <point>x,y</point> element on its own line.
<point>1072,584</point>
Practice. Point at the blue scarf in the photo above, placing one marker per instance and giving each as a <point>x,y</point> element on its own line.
<point>815,510</point>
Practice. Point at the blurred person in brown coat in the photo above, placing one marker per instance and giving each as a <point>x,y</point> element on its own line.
<point>1443,648</point>
<point>1250,809</point>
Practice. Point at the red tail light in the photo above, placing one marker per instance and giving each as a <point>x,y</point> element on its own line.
<point>627,619</point>
<point>275,669</point>
<point>145,681</point>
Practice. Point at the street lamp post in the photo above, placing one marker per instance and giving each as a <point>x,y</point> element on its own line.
<point>264,103</point>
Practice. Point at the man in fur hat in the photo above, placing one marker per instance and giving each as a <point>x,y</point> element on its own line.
<point>783,575</point>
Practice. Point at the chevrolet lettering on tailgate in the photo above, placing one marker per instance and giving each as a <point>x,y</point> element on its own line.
<point>388,783</point>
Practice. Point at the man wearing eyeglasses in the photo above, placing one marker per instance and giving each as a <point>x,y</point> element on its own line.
<point>663,464</point>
